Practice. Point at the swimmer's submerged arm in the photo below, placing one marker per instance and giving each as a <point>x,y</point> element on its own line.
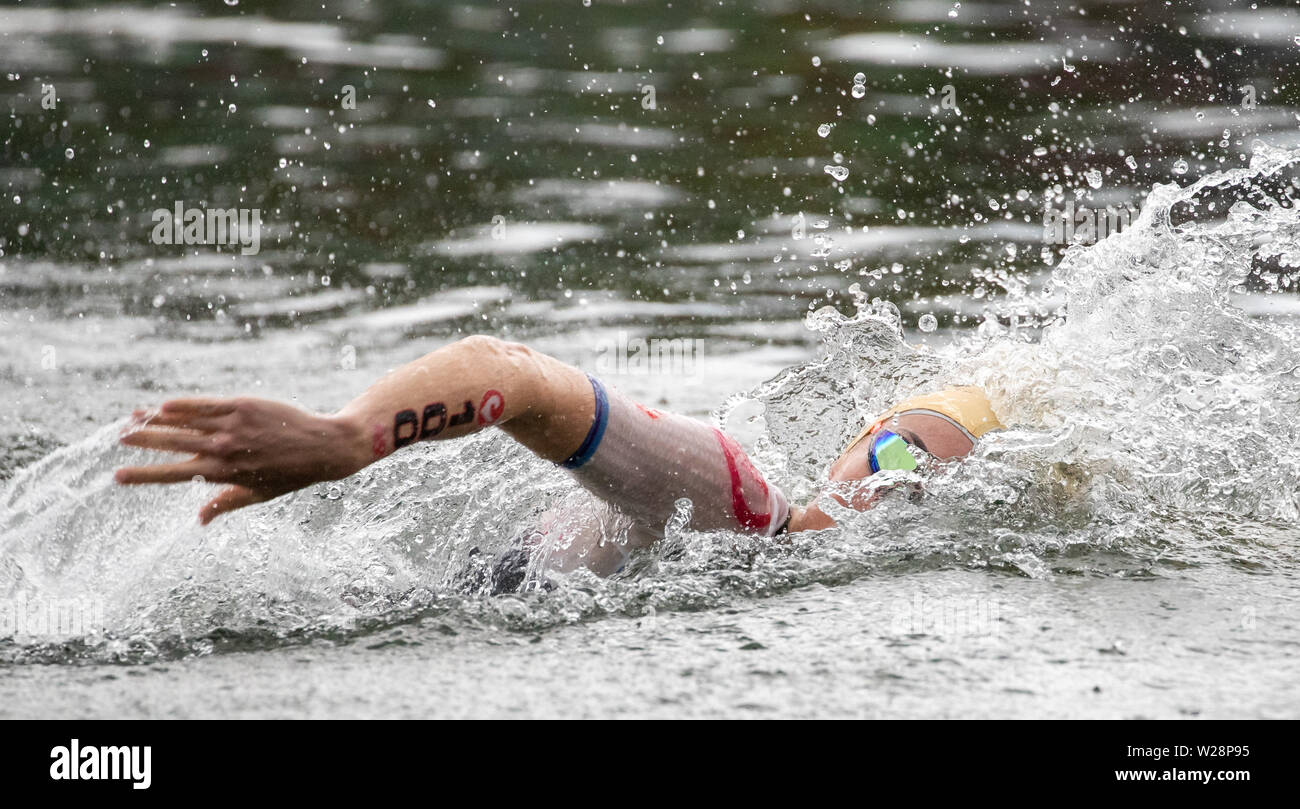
<point>266,448</point>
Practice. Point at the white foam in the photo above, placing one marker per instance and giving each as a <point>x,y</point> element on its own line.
<point>1275,26</point>
<point>847,245</point>
<point>301,304</point>
<point>614,135</point>
<point>595,196</point>
<point>699,40</point>
<point>911,50</point>
<point>517,238</point>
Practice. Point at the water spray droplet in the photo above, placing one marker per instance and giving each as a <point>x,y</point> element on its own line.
<point>838,172</point>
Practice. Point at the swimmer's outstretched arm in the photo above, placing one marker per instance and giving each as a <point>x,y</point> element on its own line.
<point>265,448</point>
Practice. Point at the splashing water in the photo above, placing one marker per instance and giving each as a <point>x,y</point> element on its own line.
<point>1151,422</point>
<point>1152,425</point>
<point>1156,419</point>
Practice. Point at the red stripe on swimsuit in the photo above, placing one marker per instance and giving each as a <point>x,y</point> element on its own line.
<point>753,520</point>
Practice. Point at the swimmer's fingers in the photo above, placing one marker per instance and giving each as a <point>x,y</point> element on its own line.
<point>200,406</point>
<point>171,440</point>
<point>195,413</point>
<point>229,499</point>
<point>188,420</point>
<point>167,473</point>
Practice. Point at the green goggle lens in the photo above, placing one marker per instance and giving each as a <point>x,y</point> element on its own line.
<point>890,451</point>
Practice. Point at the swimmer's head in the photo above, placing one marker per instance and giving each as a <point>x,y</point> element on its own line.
<point>893,443</point>
<point>897,443</point>
<point>941,425</point>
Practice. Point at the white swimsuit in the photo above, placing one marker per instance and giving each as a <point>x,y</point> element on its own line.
<point>642,461</point>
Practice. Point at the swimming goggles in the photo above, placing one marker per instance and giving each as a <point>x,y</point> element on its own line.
<point>890,451</point>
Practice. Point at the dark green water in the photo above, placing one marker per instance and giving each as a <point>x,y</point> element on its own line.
<point>467,112</point>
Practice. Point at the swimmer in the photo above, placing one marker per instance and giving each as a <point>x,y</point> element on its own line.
<point>638,460</point>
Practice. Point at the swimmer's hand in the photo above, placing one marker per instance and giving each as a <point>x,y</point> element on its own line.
<point>262,448</point>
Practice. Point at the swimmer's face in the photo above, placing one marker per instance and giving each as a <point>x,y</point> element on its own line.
<point>934,435</point>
